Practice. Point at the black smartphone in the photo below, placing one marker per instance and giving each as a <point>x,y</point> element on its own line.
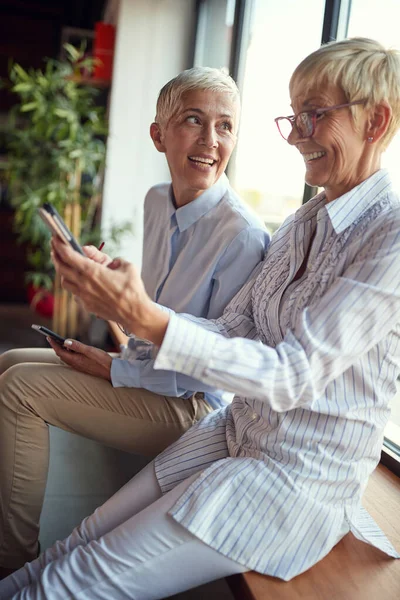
<point>49,333</point>
<point>57,226</point>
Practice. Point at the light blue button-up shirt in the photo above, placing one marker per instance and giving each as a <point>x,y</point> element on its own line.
<point>195,259</point>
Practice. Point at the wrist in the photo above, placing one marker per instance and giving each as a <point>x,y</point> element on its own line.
<point>150,324</point>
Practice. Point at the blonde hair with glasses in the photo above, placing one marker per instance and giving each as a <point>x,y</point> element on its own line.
<point>362,68</point>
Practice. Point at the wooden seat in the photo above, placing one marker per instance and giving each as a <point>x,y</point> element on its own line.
<point>353,570</point>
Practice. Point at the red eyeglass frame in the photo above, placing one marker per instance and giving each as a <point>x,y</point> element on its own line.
<point>315,112</point>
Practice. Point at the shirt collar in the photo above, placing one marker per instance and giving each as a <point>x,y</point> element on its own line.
<point>190,213</point>
<point>346,209</point>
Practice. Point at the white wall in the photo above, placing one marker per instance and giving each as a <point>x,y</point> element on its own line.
<point>153,43</point>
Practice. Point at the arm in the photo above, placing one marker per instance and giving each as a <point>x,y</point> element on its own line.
<point>357,311</point>
<point>113,292</point>
<point>236,320</point>
<point>117,293</point>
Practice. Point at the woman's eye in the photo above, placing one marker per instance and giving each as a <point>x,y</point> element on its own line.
<point>319,116</point>
<point>226,126</point>
<point>193,119</point>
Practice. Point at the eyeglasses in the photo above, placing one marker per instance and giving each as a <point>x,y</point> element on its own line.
<point>305,121</point>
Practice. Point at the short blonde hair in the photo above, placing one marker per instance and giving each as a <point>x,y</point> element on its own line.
<point>197,78</point>
<point>362,68</point>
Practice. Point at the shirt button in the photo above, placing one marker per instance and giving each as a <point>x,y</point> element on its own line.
<point>254,416</point>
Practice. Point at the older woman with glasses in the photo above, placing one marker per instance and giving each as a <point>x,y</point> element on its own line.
<point>310,346</point>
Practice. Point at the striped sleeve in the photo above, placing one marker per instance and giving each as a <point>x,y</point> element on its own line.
<point>355,313</point>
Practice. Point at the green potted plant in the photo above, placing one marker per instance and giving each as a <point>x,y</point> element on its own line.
<point>56,153</point>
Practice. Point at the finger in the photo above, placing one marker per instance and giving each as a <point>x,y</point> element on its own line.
<point>90,251</point>
<point>80,275</point>
<point>96,255</point>
<point>69,256</point>
<point>69,276</point>
<point>56,258</point>
<point>56,347</point>
<point>115,264</point>
<point>62,353</point>
<point>78,347</point>
<point>56,244</point>
<point>63,269</point>
<point>81,298</point>
<point>72,359</point>
<point>73,287</point>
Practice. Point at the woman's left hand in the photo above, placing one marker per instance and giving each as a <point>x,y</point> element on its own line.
<point>86,359</point>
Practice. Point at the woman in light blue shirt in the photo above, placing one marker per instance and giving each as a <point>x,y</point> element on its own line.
<point>201,244</point>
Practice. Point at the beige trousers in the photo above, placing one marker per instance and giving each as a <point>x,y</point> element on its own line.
<point>36,389</point>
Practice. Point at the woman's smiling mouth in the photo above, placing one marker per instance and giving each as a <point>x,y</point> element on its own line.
<point>203,161</point>
<point>313,156</point>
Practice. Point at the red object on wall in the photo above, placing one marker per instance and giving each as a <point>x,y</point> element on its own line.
<point>103,50</point>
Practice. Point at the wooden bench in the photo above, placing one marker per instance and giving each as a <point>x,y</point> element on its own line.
<point>352,570</point>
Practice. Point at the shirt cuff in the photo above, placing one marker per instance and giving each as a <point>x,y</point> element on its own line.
<point>186,348</point>
<point>125,373</point>
<point>165,309</point>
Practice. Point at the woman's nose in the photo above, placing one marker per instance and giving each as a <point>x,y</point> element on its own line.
<point>293,136</point>
<point>209,137</point>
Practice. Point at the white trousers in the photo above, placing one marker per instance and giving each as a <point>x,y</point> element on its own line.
<point>37,390</point>
<point>129,548</point>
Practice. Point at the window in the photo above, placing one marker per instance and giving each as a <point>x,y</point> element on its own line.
<point>364,22</point>
<point>214,33</point>
<point>266,171</point>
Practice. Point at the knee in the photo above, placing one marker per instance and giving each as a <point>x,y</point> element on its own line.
<point>9,359</point>
<point>13,385</point>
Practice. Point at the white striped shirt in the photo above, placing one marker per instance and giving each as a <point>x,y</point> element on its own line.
<point>283,469</point>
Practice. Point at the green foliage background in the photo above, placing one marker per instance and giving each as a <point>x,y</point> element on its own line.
<point>56,134</point>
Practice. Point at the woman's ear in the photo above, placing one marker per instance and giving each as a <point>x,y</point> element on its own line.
<point>378,121</point>
<point>157,137</point>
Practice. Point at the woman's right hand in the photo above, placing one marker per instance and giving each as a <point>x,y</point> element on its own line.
<point>113,292</point>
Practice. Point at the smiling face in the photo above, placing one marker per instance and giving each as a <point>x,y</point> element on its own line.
<point>198,141</point>
<point>338,156</point>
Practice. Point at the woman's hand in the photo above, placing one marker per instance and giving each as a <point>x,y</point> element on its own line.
<point>86,359</point>
<point>115,292</point>
<point>94,254</point>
